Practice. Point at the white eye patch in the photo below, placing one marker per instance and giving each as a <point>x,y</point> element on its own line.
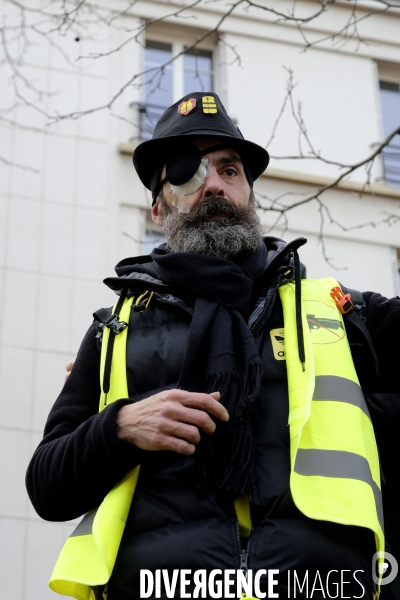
<point>195,182</point>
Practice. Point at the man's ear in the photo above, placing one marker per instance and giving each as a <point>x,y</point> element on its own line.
<point>156,214</point>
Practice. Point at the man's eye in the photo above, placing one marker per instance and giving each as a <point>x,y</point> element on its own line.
<point>230,172</point>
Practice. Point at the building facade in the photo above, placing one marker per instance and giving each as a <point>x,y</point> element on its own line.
<point>77,207</point>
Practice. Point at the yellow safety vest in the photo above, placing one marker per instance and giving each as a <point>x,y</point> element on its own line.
<point>335,473</point>
<point>88,556</point>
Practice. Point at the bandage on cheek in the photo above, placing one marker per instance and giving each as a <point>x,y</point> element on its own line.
<point>183,202</point>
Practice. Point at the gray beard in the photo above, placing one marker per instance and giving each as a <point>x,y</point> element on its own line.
<point>240,232</point>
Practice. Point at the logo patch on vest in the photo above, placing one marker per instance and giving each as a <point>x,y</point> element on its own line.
<point>278,343</point>
<point>324,322</point>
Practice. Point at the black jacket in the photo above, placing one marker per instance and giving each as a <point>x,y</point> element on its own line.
<point>81,458</point>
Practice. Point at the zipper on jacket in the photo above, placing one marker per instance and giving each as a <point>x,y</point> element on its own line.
<point>265,306</point>
<point>174,302</point>
<point>243,552</point>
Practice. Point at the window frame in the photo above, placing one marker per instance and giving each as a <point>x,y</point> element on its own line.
<point>387,72</point>
<point>178,44</point>
<point>149,227</point>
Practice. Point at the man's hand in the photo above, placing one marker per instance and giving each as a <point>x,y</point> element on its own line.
<point>170,420</point>
<point>68,368</point>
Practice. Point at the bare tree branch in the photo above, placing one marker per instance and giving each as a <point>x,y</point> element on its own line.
<point>10,163</point>
<point>48,21</point>
<point>155,70</point>
<point>139,30</point>
<point>349,170</point>
<point>17,74</point>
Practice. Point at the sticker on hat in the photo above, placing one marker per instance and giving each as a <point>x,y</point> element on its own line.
<point>209,105</point>
<point>187,106</point>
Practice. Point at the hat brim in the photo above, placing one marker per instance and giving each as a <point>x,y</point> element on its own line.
<point>150,154</point>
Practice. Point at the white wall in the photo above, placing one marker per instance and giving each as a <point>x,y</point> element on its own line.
<point>361,257</point>
<point>338,96</point>
<point>60,236</point>
<point>61,229</point>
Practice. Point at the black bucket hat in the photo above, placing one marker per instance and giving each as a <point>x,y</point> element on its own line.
<point>196,115</point>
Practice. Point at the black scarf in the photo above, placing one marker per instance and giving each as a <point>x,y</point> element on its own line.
<point>221,355</point>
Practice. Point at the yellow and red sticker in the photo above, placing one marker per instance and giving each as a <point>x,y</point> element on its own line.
<point>187,106</point>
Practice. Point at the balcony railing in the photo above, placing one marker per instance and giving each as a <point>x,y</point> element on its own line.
<point>146,117</point>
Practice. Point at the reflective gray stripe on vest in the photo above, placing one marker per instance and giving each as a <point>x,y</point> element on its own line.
<point>85,526</point>
<point>341,464</point>
<point>339,389</point>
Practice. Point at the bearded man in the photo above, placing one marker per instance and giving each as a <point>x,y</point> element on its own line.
<point>224,483</point>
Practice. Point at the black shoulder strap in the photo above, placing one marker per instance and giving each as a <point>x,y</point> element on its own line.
<point>116,326</point>
<point>109,319</point>
<point>357,321</point>
<point>358,316</point>
<point>358,300</point>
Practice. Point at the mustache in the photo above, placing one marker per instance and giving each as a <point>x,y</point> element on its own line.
<point>209,207</point>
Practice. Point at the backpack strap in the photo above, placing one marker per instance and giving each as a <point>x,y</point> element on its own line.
<point>359,304</point>
<point>357,315</point>
<point>110,318</point>
<point>112,322</point>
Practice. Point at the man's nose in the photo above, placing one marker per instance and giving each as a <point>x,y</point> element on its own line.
<point>213,185</point>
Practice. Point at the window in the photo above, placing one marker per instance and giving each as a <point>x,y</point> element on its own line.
<point>398,269</point>
<point>191,71</point>
<point>197,71</point>
<point>158,89</point>
<point>153,235</point>
<point>390,106</point>
<point>152,239</point>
